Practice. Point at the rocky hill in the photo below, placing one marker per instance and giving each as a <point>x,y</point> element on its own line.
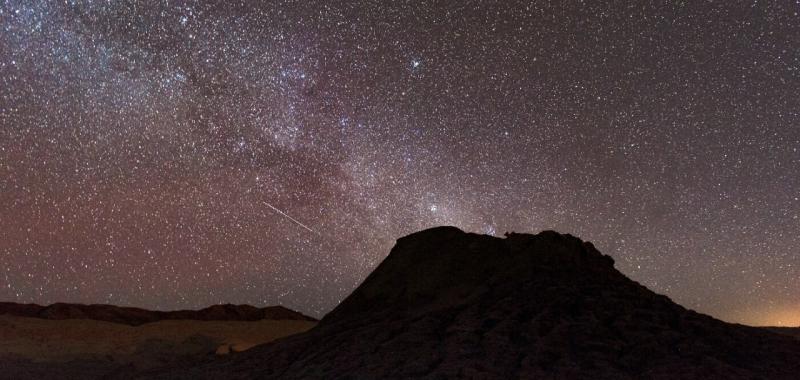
<point>449,304</point>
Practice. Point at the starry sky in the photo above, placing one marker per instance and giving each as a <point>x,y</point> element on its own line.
<point>174,154</point>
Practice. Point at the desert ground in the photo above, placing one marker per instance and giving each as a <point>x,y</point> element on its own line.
<point>146,346</point>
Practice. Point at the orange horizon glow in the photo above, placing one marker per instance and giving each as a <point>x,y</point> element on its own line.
<point>781,316</point>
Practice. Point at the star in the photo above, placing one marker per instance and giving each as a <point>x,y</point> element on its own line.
<point>145,145</point>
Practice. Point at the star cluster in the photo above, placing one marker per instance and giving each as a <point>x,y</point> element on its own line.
<point>176,153</point>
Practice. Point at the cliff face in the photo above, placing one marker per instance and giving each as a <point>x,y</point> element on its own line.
<point>448,304</point>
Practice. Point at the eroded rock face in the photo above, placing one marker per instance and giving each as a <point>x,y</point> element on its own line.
<point>448,304</point>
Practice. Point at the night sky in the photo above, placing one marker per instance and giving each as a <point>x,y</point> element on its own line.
<point>176,154</point>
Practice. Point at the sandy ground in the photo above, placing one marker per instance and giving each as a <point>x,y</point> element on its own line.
<point>144,346</point>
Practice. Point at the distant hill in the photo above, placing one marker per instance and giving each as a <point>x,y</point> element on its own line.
<point>791,331</point>
<point>135,316</point>
<point>448,304</point>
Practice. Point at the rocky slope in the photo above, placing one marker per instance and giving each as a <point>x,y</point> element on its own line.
<point>448,304</point>
<point>135,316</point>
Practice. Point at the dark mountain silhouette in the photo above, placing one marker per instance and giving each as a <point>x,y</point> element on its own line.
<point>448,304</point>
<point>791,331</point>
<point>135,316</point>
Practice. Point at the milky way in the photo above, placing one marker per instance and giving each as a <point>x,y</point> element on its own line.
<point>176,154</point>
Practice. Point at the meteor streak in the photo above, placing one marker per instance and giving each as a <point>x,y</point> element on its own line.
<point>290,218</point>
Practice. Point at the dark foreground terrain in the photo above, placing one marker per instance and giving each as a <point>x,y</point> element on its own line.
<point>448,304</point>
